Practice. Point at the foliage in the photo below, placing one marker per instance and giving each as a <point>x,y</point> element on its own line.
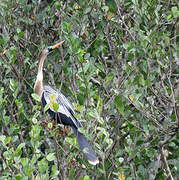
<point>118,66</point>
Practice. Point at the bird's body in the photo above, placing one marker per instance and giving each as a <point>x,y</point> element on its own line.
<point>65,109</point>
<point>65,112</point>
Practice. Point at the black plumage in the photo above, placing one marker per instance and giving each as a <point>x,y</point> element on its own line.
<point>65,115</point>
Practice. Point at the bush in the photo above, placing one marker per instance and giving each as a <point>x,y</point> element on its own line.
<point>118,66</point>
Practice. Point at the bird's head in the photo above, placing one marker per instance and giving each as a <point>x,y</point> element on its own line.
<point>51,48</point>
<point>47,50</point>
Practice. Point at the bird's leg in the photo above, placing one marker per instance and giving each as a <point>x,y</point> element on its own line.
<point>66,128</point>
<point>63,132</point>
<point>45,123</point>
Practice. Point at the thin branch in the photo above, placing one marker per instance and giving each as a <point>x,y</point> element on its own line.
<point>148,116</point>
<point>9,167</point>
<point>174,101</point>
<point>165,162</point>
<point>86,87</point>
<point>119,13</point>
<point>58,157</point>
<point>135,172</point>
<point>18,76</point>
<point>11,111</point>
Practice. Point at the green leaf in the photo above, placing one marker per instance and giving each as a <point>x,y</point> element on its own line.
<point>35,131</point>
<point>24,161</point>
<point>2,41</point>
<point>87,10</point>
<point>96,115</point>
<point>19,177</point>
<point>16,37</point>
<point>2,138</point>
<point>36,114</point>
<point>21,34</point>
<point>53,96</point>
<point>18,30</point>
<point>121,159</point>
<point>169,16</point>
<point>55,106</point>
<point>36,97</point>
<point>34,120</point>
<point>109,77</point>
<point>141,80</point>
<point>147,82</point>
<point>139,142</point>
<point>58,5</point>
<point>80,98</point>
<point>50,157</point>
<point>66,27</point>
<point>161,64</point>
<point>86,178</point>
<point>71,173</point>
<point>103,131</point>
<point>71,141</point>
<point>105,8</point>
<point>21,146</point>
<point>119,104</point>
<point>55,171</point>
<point>87,55</point>
<point>175,12</point>
<point>50,125</point>
<point>18,150</point>
<point>7,140</point>
<point>43,165</point>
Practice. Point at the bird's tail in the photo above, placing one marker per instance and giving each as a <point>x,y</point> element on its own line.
<point>89,153</point>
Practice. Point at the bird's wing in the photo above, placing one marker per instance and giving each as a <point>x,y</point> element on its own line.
<point>65,101</point>
<point>64,106</point>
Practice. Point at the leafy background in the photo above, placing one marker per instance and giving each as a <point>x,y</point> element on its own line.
<point>119,67</point>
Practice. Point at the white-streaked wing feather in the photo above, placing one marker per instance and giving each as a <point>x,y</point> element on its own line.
<point>61,108</point>
<point>65,106</point>
<point>65,101</point>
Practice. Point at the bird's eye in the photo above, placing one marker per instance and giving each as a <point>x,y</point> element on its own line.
<point>49,48</point>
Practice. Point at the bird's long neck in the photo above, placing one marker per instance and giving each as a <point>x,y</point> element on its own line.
<point>38,87</point>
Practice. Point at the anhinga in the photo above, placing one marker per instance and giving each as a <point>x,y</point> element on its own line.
<point>65,112</point>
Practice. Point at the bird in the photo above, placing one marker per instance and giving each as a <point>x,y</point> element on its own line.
<point>64,113</point>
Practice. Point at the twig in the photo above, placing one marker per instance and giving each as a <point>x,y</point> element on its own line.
<point>19,77</point>
<point>62,74</point>
<point>146,115</point>
<point>119,13</point>
<point>153,172</point>
<point>135,173</point>
<point>164,159</point>
<point>85,81</point>
<point>174,102</point>
<point>135,125</point>
<point>109,101</point>
<point>103,160</point>
<point>15,122</point>
<point>51,79</point>
<point>3,159</point>
<point>58,157</point>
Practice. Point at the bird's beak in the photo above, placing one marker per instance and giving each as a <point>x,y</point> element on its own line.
<point>56,45</point>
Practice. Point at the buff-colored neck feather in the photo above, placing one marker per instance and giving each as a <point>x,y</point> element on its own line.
<point>38,87</point>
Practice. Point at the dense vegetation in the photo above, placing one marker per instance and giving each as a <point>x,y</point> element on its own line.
<point>118,66</point>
